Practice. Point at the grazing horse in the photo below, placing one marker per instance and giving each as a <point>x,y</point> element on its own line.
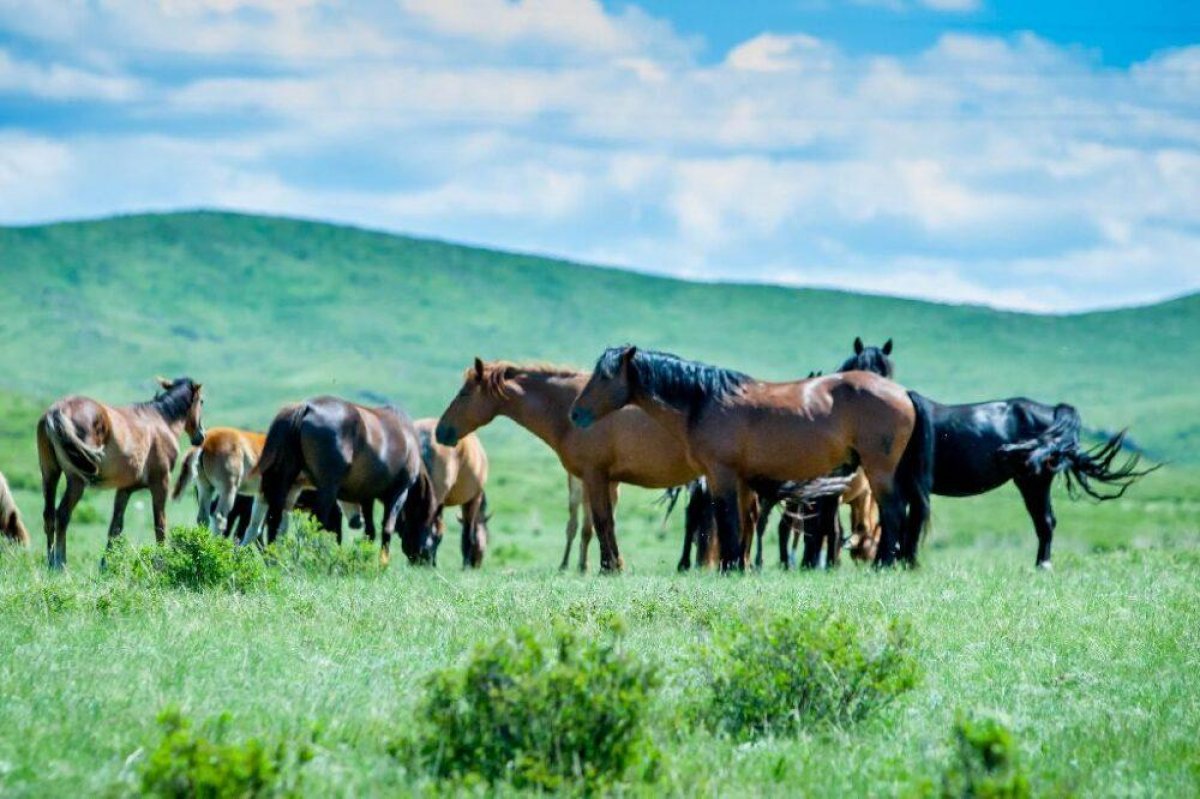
<point>981,446</point>
<point>629,447</point>
<point>356,454</point>
<point>126,448</point>
<point>459,474</point>
<point>11,526</point>
<point>747,435</point>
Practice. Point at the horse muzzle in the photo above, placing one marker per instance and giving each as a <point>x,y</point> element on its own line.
<point>198,437</point>
<point>582,418</point>
<point>446,435</point>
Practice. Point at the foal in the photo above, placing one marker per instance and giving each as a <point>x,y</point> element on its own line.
<point>126,448</point>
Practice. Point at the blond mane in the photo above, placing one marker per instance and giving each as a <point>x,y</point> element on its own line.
<point>496,373</point>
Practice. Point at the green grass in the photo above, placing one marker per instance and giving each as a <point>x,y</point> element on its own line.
<point>1093,666</point>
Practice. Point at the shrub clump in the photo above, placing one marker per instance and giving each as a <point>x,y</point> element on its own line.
<point>186,764</point>
<point>192,558</point>
<point>985,763</point>
<point>569,713</point>
<point>798,671</point>
<point>308,548</point>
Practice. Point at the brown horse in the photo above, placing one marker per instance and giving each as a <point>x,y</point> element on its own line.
<point>629,447</point>
<point>356,454</point>
<point>748,435</point>
<point>458,474</point>
<point>11,526</point>
<point>126,448</point>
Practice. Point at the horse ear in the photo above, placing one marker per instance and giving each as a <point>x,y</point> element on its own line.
<point>628,354</point>
<point>887,347</point>
<point>163,382</point>
<point>478,368</point>
<point>858,345</point>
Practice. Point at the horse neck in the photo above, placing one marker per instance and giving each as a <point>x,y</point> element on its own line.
<point>174,420</point>
<point>671,418</point>
<point>544,406</point>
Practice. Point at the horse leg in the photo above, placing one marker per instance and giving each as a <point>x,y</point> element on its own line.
<point>587,531</point>
<point>70,498</point>
<point>226,496</point>
<point>51,472</point>
<point>117,524</point>
<point>472,551</point>
<point>726,488</point>
<point>574,500</point>
<point>391,515</point>
<point>1035,491</point>
<point>204,497</point>
<point>366,513</point>
<point>748,518</point>
<point>833,541</point>
<point>158,500</point>
<point>813,540</point>
<point>600,498</point>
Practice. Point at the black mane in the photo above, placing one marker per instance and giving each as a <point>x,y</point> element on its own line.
<point>673,380</point>
<point>870,359</point>
<point>174,402</point>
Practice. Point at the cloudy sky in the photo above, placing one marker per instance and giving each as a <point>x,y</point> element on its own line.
<point>1017,153</point>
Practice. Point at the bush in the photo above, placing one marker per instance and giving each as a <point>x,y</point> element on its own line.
<point>308,548</point>
<point>192,558</point>
<point>567,714</point>
<point>185,764</point>
<point>804,670</point>
<point>985,764</point>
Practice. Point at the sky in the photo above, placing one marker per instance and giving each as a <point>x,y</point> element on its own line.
<point>1031,155</point>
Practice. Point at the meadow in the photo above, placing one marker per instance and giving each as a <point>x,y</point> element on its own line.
<point>1092,667</point>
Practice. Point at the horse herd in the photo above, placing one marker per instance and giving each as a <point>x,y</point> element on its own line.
<point>641,417</point>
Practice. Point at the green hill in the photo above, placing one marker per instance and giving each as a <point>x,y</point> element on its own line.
<point>267,310</point>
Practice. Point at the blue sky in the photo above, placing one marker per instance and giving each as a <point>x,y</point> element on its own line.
<point>1040,156</point>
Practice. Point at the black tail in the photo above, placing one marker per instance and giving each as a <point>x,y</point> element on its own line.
<point>914,477</point>
<point>671,498</point>
<point>281,453</point>
<point>1058,450</point>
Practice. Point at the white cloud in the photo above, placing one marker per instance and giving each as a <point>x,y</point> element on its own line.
<point>1001,170</point>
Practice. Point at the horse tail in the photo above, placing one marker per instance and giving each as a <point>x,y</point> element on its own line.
<point>670,497</point>
<point>73,453</point>
<point>187,472</point>
<point>11,526</point>
<point>1058,450</point>
<point>283,441</point>
<point>914,476</point>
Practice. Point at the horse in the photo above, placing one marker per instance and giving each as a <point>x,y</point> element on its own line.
<point>630,447</point>
<point>356,454</point>
<point>11,526</point>
<point>221,469</point>
<point>126,448</point>
<point>981,446</point>
<point>459,474</point>
<point>748,435</point>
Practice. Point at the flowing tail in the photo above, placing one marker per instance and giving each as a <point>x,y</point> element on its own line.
<point>282,446</point>
<point>73,453</point>
<point>187,472</point>
<point>1086,471</point>
<point>914,477</point>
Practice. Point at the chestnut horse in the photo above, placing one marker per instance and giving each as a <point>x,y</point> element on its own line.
<point>458,474</point>
<point>629,447</point>
<point>747,435</point>
<point>983,445</point>
<point>356,454</point>
<point>126,448</point>
<point>11,526</point>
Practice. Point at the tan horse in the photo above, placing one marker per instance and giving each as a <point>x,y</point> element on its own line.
<point>629,447</point>
<point>458,474</point>
<point>744,432</point>
<point>11,526</point>
<point>126,448</point>
<point>220,468</point>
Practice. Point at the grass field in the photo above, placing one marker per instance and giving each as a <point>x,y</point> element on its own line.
<point>1093,666</point>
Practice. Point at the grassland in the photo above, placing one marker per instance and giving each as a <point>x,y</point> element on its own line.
<point>1094,665</point>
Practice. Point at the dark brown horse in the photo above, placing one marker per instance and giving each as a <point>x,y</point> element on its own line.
<point>356,454</point>
<point>11,526</point>
<point>747,435</point>
<point>126,448</point>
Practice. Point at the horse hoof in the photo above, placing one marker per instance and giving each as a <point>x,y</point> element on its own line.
<point>1045,566</point>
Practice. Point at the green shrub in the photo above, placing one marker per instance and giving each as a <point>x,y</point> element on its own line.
<point>565,714</point>
<point>308,548</point>
<point>803,670</point>
<point>985,764</point>
<point>192,558</point>
<point>186,764</point>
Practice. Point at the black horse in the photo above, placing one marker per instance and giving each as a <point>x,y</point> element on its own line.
<point>981,446</point>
